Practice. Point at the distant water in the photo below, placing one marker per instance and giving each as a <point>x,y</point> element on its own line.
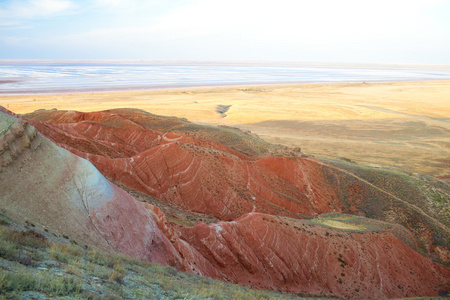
<point>54,77</point>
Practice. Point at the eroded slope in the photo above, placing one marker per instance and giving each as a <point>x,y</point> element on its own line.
<point>262,242</point>
<point>206,170</point>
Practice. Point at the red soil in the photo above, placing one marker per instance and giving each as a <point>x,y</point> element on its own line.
<point>261,242</point>
<point>269,252</point>
<point>193,173</point>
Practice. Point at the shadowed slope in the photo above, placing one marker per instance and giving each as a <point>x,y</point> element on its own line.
<point>47,185</point>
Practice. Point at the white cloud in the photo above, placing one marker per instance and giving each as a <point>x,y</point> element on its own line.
<point>291,19</point>
<point>216,28</point>
<point>291,23</point>
<point>15,12</point>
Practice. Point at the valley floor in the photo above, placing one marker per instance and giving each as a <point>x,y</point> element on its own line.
<point>404,125</point>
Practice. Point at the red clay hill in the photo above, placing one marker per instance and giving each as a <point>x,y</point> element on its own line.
<point>272,218</point>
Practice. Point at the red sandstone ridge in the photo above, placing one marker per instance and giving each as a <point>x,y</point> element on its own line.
<point>296,256</point>
<point>261,242</point>
<point>193,173</point>
<point>225,173</point>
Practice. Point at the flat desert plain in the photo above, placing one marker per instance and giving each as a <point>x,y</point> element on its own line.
<point>400,125</point>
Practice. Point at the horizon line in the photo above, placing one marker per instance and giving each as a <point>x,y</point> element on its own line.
<point>285,63</point>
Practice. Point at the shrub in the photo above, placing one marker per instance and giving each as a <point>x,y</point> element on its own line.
<point>118,273</point>
<point>4,220</point>
<point>100,258</point>
<point>43,282</point>
<point>60,253</point>
<point>7,249</point>
<point>116,276</point>
<point>12,248</point>
<point>72,269</point>
<point>27,238</point>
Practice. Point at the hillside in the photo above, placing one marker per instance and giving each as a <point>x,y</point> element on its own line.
<point>269,217</point>
<point>215,165</point>
<point>38,264</point>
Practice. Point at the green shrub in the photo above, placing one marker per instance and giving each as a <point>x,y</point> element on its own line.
<point>40,281</point>
<point>60,253</point>
<point>100,258</point>
<point>12,248</point>
<point>4,220</point>
<point>26,238</point>
<point>118,274</point>
<point>7,249</point>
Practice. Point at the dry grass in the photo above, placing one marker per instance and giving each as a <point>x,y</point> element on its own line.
<point>400,124</point>
<point>341,225</point>
<point>340,221</point>
<point>41,282</point>
<point>308,102</point>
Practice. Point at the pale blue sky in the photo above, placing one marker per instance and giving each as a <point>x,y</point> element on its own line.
<point>374,31</point>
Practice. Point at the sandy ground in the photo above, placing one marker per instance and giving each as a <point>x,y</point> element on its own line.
<point>404,125</point>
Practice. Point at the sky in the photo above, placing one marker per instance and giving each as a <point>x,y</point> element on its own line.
<point>355,31</point>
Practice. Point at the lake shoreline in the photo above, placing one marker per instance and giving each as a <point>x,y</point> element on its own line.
<point>169,87</point>
<point>59,77</point>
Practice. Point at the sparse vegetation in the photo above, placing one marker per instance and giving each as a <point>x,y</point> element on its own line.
<point>21,246</point>
<point>430,194</point>
<point>416,202</point>
<point>3,218</point>
<point>12,283</point>
<point>74,272</point>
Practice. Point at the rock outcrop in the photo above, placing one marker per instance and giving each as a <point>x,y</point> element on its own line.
<point>273,252</point>
<point>47,185</point>
<point>225,173</point>
<point>334,255</point>
<point>193,173</point>
<point>276,230</point>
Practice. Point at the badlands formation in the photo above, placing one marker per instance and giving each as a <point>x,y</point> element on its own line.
<point>220,202</point>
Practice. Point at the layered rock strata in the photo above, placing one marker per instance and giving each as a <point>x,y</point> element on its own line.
<point>270,236</point>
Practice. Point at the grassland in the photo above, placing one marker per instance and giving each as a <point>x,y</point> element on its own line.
<point>405,125</point>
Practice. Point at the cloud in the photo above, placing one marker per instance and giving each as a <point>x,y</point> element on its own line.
<point>290,23</point>
<point>209,28</point>
<point>15,12</point>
